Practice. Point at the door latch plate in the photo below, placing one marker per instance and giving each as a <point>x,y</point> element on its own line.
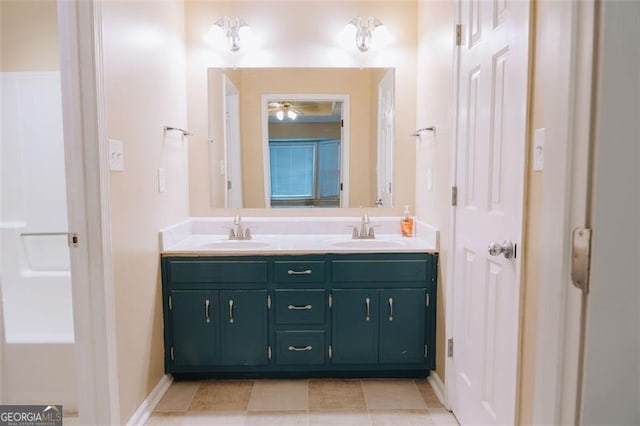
<point>581,258</point>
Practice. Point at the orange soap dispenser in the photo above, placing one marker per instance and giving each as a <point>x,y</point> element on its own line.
<point>406,223</point>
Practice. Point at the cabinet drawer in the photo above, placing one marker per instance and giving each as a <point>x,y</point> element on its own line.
<point>212,271</point>
<point>300,306</point>
<point>299,271</point>
<point>379,270</point>
<point>300,347</point>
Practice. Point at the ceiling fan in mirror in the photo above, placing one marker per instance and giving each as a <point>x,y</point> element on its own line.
<point>284,109</point>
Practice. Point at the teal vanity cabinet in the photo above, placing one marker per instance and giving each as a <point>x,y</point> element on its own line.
<point>384,323</point>
<point>215,313</point>
<point>354,315</point>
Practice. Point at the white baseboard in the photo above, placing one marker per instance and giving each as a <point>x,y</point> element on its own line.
<point>145,409</point>
<point>438,387</point>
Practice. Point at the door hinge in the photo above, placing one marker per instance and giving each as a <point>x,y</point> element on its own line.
<point>390,183</point>
<point>229,184</point>
<point>170,304</point>
<point>459,35</point>
<point>268,301</point>
<point>427,301</point>
<point>581,258</point>
<point>341,123</point>
<point>172,355</point>
<point>330,300</point>
<point>269,351</point>
<point>450,348</point>
<point>341,186</point>
<point>74,239</point>
<point>426,351</point>
<point>330,352</point>
<point>454,196</point>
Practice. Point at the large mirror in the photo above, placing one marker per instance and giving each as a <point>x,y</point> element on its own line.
<point>301,137</point>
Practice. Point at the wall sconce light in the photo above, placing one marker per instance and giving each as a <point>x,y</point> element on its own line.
<point>231,27</point>
<point>365,29</point>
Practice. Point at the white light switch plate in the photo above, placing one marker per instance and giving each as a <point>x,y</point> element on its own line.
<point>116,155</point>
<point>162,184</point>
<point>538,150</point>
<point>429,179</point>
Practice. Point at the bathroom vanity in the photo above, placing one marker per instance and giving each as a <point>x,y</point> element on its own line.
<point>276,307</point>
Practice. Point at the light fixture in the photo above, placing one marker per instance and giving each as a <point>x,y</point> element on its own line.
<point>231,26</point>
<point>283,109</point>
<point>280,115</point>
<point>292,114</point>
<point>365,28</point>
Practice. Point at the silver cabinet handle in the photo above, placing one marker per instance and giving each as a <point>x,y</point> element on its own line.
<point>300,308</point>
<point>300,349</point>
<point>391,309</point>
<point>231,311</point>
<point>305,272</point>
<point>207,318</point>
<point>367,302</point>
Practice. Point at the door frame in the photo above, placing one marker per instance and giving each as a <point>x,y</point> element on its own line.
<point>86,157</point>
<point>344,138</point>
<point>231,128</point>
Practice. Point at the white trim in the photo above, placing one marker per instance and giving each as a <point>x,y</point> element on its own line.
<point>149,404</point>
<point>345,143</point>
<point>437,386</point>
<point>568,123</point>
<point>88,206</point>
<point>451,240</point>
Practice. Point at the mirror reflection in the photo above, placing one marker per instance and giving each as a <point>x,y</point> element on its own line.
<point>301,137</point>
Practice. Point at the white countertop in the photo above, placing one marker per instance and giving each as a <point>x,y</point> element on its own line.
<point>202,237</point>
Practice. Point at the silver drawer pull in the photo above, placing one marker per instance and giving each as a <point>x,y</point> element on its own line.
<point>298,349</point>
<point>367,315</point>
<point>231,311</point>
<point>206,311</point>
<point>305,272</point>
<point>300,308</point>
<point>391,309</point>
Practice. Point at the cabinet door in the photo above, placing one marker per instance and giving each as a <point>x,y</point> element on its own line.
<point>243,327</point>
<point>355,326</point>
<point>402,325</point>
<point>195,327</point>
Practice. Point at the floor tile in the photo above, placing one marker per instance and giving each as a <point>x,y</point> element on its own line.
<point>334,395</point>
<point>279,395</point>
<point>355,418</point>
<point>178,397</point>
<point>214,419</point>
<point>165,419</point>
<point>392,395</point>
<point>442,416</point>
<point>277,418</point>
<point>400,417</point>
<point>222,396</point>
<point>428,395</point>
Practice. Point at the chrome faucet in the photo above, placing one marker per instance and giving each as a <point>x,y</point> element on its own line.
<point>366,231</point>
<point>239,231</point>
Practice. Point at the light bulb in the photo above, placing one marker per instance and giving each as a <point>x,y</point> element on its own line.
<point>292,115</point>
<point>280,115</point>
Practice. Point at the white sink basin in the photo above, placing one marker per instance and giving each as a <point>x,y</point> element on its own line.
<point>235,245</point>
<point>368,244</point>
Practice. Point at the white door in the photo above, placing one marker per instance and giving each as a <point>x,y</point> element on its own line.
<point>491,135</point>
<point>385,140</point>
<point>233,169</point>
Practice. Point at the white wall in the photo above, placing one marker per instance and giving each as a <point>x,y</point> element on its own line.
<point>145,85</point>
<point>434,107</point>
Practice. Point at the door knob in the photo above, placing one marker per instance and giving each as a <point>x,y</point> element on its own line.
<point>507,249</point>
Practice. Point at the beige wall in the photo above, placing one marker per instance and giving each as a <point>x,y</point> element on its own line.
<point>308,38</point>
<point>145,85</point>
<point>29,36</point>
<point>435,107</point>
<point>352,82</point>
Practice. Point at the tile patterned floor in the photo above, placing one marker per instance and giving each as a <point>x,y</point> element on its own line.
<point>301,402</point>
